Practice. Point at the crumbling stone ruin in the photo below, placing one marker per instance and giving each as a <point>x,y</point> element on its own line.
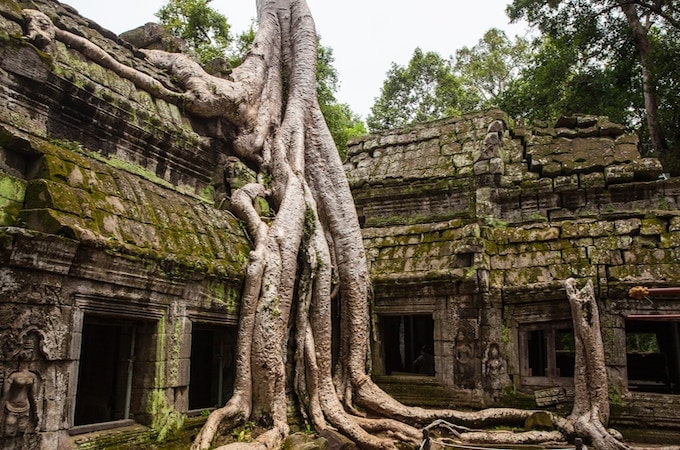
<point>121,265</point>
<point>471,226</point>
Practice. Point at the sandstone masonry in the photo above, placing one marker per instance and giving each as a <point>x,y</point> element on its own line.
<point>471,226</point>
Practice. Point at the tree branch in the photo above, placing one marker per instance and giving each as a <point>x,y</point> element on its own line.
<point>657,9</point>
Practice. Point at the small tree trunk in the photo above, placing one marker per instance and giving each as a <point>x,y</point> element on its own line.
<point>644,50</point>
<point>590,414</point>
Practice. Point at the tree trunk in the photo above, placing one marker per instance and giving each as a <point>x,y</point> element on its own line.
<point>590,414</point>
<point>644,50</point>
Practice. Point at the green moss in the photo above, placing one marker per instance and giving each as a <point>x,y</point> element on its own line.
<point>165,420</point>
<point>175,353</point>
<point>12,193</point>
<point>309,224</point>
<point>208,194</point>
<point>10,7</point>
<point>615,396</point>
<point>219,292</point>
<point>262,207</point>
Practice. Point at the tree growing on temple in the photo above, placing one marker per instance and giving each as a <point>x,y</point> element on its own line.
<point>208,33</point>
<point>311,252</point>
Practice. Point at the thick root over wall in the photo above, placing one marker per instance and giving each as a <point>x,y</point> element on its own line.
<point>312,252</point>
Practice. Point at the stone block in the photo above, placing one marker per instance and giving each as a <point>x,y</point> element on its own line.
<point>512,151</point>
<point>528,276</point>
<point>482,167</point>
<point>627,226</point>
<point>626,153</point>
<point>620,173</point>
<point>586,227</point>
<point>605,256</point>
<point>652,227</point>
<point>179,372</point>
<point>427,133</point>
<point>573,199</point>
<point>536,162</point>
<point>549,200</point>
<point>451,149</point>
<point>647,169</point>
<point>496,166</point>
<point>611,129</point>
<point>592,180</point>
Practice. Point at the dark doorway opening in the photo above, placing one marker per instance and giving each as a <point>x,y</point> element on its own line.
<point>105,371</point>
<point>547,352</point>
<point>212,367</point>
<point>653,355</point>
<point>406,339</point>
<point>538,353</point>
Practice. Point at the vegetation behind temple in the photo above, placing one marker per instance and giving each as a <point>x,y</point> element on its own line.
<point>584,58</point>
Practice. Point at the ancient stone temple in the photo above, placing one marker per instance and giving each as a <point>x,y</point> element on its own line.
<point>472,225</point>
<point>121,265</point>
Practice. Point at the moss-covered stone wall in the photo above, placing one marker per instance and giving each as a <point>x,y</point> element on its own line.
<point>478,221</point>
<point>112,213</point>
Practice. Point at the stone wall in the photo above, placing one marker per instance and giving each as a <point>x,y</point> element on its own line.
<point>477,222</point>
<point>112,218</point>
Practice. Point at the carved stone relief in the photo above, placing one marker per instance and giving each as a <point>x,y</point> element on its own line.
<point>494,371</point>
<point>21,401</point>
<point>463,351</point>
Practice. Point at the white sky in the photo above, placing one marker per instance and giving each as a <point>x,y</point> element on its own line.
<point>366,35</point>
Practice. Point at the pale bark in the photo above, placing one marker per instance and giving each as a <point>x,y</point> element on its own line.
<point>313,249</point>
<point>590,414</point>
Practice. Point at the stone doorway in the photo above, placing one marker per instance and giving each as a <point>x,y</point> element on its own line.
<point>212,367</point>
<point>105,371</point>
<point>547,353</point>
<point>653,354</point>
<point>405,339</point>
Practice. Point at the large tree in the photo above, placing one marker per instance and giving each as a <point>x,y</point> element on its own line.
<point>312,251</point>
<point>208,33</point>
<point>425,89</point>
<point>487,68</point>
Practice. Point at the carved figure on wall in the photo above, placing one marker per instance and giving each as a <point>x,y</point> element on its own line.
<point>465,370</point>
<point>494,370</point>
<point>19,404</point>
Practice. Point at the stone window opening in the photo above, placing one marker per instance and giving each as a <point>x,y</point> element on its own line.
<point>653,354</point>
<point>211,377</point>
<point>106,370</point>
<point>547,353</point>
<point>408,344</point>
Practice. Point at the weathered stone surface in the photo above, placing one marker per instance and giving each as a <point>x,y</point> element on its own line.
<point>579,202</point>
<point>109,216</point>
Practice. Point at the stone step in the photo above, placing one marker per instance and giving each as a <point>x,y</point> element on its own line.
<point>419,390</point>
